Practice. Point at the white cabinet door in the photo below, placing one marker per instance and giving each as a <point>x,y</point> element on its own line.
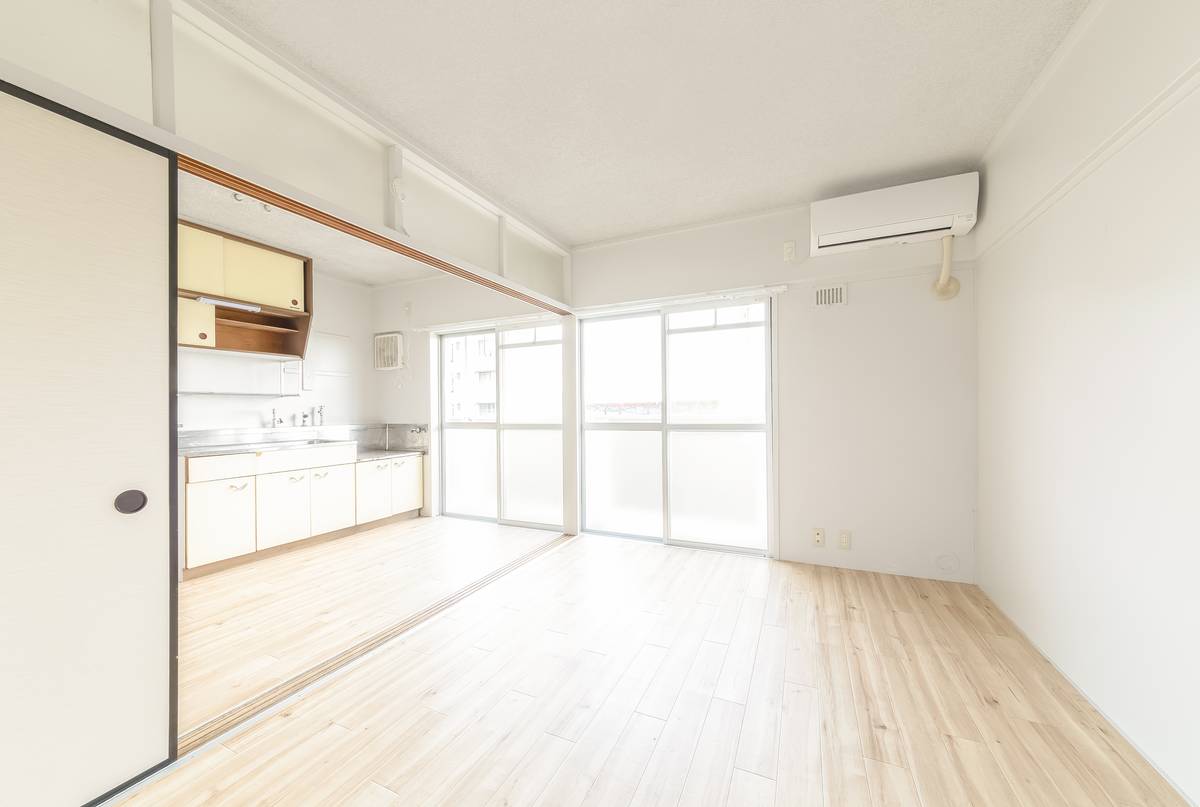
<point>408,488</point>
<point>283,508</point>
<point>332,498</point>
<point>220,520</point>
<point>374,490</point>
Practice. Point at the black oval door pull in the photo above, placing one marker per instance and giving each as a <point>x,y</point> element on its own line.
<point>129,501</point>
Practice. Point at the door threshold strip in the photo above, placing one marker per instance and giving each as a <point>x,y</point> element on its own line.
<point>224,723</point>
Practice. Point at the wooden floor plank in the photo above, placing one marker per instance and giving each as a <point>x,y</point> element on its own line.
<point>611,672</point>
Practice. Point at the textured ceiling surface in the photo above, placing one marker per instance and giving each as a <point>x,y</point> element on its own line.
<point>333,252</point>
<point>603,118</point>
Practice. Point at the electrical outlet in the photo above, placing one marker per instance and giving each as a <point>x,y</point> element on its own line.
<point>789,251</point>
<point>818,536</point>
<point>844,539</point>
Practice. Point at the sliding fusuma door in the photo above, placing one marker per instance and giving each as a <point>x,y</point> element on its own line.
<point>86,392</point>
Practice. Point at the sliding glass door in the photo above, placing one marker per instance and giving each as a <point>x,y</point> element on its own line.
<point>502,425</point>
<point>676,413</point>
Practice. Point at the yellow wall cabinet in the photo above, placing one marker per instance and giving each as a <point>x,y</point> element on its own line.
<point>220,520</point>
<point>201,260</point>
<point>197,323</point>
<point>226,268</point>
<point>283,508</point>
<point>260,275</point>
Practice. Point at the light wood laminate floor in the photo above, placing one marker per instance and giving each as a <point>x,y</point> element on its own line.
<point>249,628</point>
<point>610,672</point>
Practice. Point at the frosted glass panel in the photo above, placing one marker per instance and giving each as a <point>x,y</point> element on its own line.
<point>532,472</point>
<point>531,384</point>
<point>622,370</point>
<point>623,473</point>
<point>469,456</point>
<point>719,488</point>
<point>717,376</point>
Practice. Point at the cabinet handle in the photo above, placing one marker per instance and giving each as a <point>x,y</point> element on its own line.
<point>299,478</point>
<point>321,476</point>
<point>380,467</point>
<point>239,487</point>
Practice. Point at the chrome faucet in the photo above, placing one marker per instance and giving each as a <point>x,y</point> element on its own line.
<point>275,421</point>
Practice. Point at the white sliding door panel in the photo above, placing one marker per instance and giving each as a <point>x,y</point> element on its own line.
<point>677,425</point>
<point>85,414</point>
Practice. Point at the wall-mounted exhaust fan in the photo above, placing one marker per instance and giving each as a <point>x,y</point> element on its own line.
<point>389,351</point>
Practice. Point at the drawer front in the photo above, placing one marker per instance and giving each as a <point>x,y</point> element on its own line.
<point>333,505</point>
<point>196,323</point>
<point>408,484</point>
<point>223,466</point>
<point>373,494</point>
<point>201,261</point>
<point>220,520</point>
<point>294,459</point>
<point>283,508</point>
<point>261,276</point>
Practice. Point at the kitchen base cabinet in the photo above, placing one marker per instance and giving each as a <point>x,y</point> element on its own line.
<point>374,490</point>
<point>220,520</point>
<point>283,508</point>
<point>408,484</point>
<point>332,498</point>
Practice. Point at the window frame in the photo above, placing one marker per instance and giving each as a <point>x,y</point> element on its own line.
<point>497,424</point>
<point>666,427</point>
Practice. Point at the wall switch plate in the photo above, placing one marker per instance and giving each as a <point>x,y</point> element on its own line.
<point>844,539</point>
<point>789,251</point>
<point>818,536</point>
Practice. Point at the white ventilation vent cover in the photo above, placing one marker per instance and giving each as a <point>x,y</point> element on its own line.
<point>389,351</point>
<point>829,295</point>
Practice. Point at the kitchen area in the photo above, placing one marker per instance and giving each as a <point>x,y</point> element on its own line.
<point>310,526</point>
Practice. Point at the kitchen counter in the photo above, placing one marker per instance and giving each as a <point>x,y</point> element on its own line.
<point>369,454</point>
<point>364,454</point>
<point>258,448</point>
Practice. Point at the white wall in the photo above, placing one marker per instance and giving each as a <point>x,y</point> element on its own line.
<point>99,48</point>
<point>413,308</point>
<point>225,102</point>
<point>876,415</point>
<point>339,355</point>
<point>1089,338</point>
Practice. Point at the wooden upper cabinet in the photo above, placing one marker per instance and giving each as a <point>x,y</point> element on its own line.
<point>259,275</point>
<point>201,260</point>
<point>224,271</point>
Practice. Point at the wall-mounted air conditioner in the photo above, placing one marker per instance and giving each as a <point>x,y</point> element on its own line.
<point>905,214</point>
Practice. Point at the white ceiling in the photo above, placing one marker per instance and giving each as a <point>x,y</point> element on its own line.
<point>333,252</point>
<point>604,118</point>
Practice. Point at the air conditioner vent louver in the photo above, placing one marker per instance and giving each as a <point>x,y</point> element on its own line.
<point>389,351</point>
<point>829,295</point>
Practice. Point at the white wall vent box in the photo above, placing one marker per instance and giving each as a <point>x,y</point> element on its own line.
<point>389,351</point>
<point>829,295</point>
<point>905,214</point>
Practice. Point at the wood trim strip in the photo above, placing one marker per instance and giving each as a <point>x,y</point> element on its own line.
<point>235,183</point>
<point>209,731</point>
